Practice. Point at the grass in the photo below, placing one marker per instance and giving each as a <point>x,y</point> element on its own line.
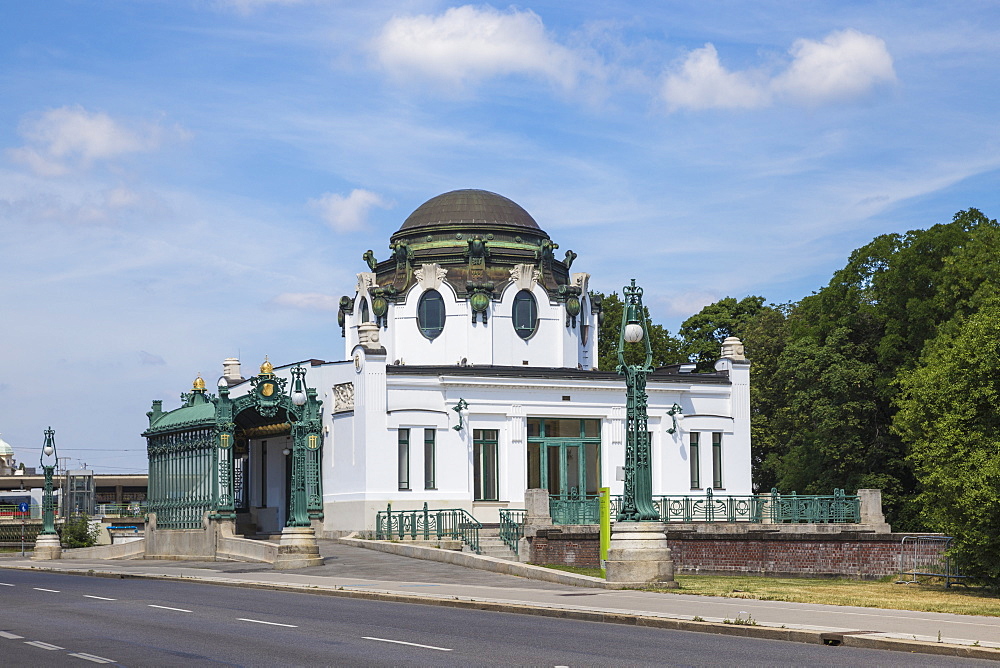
<point>927,596</point>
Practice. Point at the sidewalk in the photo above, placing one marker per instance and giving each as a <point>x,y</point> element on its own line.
<point>356,572</point>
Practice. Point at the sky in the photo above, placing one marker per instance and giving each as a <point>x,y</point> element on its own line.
<point>186,180</point>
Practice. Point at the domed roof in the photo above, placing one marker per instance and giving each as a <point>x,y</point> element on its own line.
<point>5,448</point>
<point>466,206</point>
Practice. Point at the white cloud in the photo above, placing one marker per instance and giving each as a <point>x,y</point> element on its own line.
<point>468,43</point>
<point>703,83</point>
<point>347,214</point>
<point>845,65</point>
<point>58,139</point>
<point>307,301</point>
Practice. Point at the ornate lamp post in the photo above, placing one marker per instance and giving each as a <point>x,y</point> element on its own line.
<point>637,504</point>
<point>47,545</point>
<point>48,500</point>
<point>638,555</point>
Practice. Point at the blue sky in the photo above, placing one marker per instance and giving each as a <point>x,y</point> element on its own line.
<point>184,181</point>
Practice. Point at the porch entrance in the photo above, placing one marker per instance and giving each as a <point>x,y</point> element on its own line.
<point>564,457</point>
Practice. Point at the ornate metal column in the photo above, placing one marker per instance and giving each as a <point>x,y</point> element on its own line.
<point>637,504</point>
<point>305,449</point>
<point>223,466</point>
<point>48,498</point>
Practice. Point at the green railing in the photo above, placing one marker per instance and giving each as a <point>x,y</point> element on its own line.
<point>454,523</point>
<point>774,508</point>
<point>10,534</point>
<point>574,508</point>
<point>512,526</point>
<point>12,512</point>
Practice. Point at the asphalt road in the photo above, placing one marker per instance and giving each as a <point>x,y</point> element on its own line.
<point>60,620</point>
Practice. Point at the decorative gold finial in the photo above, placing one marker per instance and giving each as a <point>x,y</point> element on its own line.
<point>199,384</point>
<point>266,369</point>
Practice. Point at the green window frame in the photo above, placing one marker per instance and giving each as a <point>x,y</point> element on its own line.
<point>403,460</point>
<point>695,460</point>
<point>430,459</point>
<point>430,314</point>
<point>717,460</point>
<point>485,465</point>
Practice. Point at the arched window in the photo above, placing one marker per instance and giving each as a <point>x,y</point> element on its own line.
<point>430,314</point>
<point>525,315</point>
<point>365,314</point>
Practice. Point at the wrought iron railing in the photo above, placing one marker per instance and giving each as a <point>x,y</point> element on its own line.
<point>512,527</point>
<point>575,508</point>
<point>774,508</point>
<point>453,523</point>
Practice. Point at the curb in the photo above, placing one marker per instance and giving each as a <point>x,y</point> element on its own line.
<point>859,640</point>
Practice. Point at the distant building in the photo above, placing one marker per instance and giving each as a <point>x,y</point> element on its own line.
<point>468,375</point>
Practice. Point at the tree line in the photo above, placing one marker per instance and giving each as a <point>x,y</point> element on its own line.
<point>888,377</point>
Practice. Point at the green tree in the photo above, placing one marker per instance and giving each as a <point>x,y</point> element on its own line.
<point>666,348</point>
<point>703,333</point>
<point>79,532</point>
<point>948,415</point>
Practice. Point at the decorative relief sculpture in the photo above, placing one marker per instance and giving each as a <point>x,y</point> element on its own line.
<point>430,275</point>
<point>366,279</point>
<point>525,276</point>
<point>343,397</point>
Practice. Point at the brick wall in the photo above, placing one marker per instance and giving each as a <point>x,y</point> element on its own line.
<point>848,554</point>
<point>569,549</point>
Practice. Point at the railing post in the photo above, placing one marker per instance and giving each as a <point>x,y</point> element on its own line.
<point>426,528</point>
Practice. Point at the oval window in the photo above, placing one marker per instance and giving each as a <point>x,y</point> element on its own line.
<point>525,314</point>
<point>430,314</point>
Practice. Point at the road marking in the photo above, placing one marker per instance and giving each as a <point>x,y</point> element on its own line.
<point>42,645</point>
<point>163,607</point>
<point>412,644</point>
<point>54,591</point>
<point>100,598</point>
<point>10,636</point>
<point>4,584</point>
<point>92,657</point>
<point>257,621</point>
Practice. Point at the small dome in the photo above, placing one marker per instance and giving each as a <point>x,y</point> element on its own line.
<point>5,448</point>
<point>466,206</point>
<point>199,384</point>
<point>266,369</point>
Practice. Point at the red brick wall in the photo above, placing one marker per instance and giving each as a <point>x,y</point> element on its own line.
<point>569,549</point>
<point>848,554</point>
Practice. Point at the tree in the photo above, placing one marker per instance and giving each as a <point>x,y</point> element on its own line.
<point>666,348</point>
<point>79,532</point>
<point>948,415</point>
<point>703,333</point>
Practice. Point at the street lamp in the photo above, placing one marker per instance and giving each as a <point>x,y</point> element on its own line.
<point>637,501</point>
<point>48,502</point>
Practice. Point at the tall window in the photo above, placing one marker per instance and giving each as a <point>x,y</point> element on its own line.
<point>365,313</point>
<point>717,460</point>
<point>404,459</point>
<point>695,461</point>
<point>430,314</point>
<point>525,314</point>
<point>430,465</point>
<point>484,463</point>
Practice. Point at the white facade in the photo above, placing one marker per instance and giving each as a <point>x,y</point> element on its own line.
<point>539,412</point>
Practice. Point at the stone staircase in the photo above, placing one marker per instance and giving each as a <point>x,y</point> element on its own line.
<point>490,544</point>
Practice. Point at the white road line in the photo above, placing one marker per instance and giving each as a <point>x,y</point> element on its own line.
<point>92,657</point>
<point>54,591</point>
<point>412,644</point>
<point>4,584</point>
<point>100,598</point>
<point>10,636</point>
<point>163,607</point>
<point>257,621</point>
<point>42,645</point>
